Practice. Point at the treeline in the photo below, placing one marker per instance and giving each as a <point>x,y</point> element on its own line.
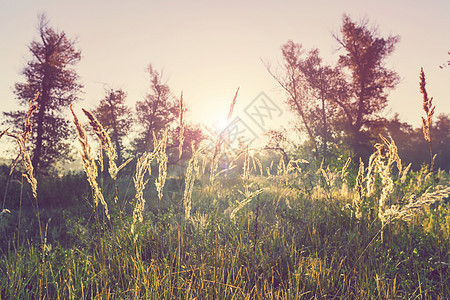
<point>338,107</point>
<point>52,85</point>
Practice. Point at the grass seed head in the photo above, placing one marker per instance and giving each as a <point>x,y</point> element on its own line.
<point>105,142</point>
<point>428,108</point>
<point>89,164</point>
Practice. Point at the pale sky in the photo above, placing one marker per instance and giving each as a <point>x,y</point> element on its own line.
<point>209,48</point>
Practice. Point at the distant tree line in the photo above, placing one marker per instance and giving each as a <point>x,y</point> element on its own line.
<point>338,107</point>
<point>50,73</point>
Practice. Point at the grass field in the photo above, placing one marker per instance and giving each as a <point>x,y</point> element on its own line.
<point>248,225</point>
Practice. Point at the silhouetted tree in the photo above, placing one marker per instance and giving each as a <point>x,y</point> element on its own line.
<point>311,87</point>
<point>193,136</point>
<point>413,148</point>
<point>156,112</point>
<point>324,84</point>
<point>368,80</point>
<point>49,72</point>
<point>441,140</point>
<point>116,117</point>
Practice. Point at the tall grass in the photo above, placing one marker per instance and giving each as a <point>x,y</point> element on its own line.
<point>259,228</point>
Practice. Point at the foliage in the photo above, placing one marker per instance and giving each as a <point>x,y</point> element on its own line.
<point>50,74</point>
<point>258,229</point>
<point>369,80</point>
<point>156,112</point>
<point>113,113</point>
<point>241,223</point>
<point>340,103</point>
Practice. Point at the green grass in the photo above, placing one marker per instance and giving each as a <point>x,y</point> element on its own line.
<point>300,238</point>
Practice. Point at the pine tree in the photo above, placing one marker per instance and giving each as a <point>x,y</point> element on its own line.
<point>50,73</point>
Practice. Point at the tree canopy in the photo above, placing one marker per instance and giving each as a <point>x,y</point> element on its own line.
<point>341,102</point>
<point>49,72</point>
<point>116,117</point>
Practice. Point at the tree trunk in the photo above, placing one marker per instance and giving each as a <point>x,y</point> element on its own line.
<point>37,152</point>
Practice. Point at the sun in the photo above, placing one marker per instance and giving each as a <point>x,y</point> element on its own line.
<point>220,124</point>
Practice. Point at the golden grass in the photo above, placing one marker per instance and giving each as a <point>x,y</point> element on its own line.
<point>142,167</point>
<point>105,143</point>
<point>21,139</point>
<point>189,183</point>
<point>89,164</point>
<point>162,160</point>
<point>359,197</point>
<point>427,106</point>
<point>414,206</point>
<point>181,133</point>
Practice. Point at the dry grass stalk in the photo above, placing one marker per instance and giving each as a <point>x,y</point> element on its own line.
<point>200,221</point>
<point>268,169</point>
<point>281,169</point>
<point>428,108</point>
<point>230,112</point>
<point>248,197</point>
<point>26,160</point>
<point>162,160</point>
<point>21,140</point>
<point>204,163</point>
<point>189,183</point>
<point>28,126</point>
<point>359,189</point>
<point>181,134</point>
<point>332,177</point>
<point>5,211</point>
<point>230,167</point>
<point>246,167</point>
<point>387,190</point>
<point>105,142</point>
<point>415,205</point>
<point>142,167</point>
<point>258,162</point>
<point>381,163</point>
<point>139,184</point>
<point>285,169</point>
<point>100,157</point>
<point>89,164</point>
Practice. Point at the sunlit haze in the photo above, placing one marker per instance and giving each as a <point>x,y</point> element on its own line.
<point>208,49</point>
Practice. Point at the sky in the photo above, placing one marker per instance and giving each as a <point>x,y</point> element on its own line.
<point>207,49</point>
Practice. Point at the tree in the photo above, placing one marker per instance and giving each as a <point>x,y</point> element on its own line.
<point>115,117</point>
<point>441,132</point>
<point>293,82</point>
<point>413,148</point>
<point>193,136</point>
<point>50,73</point>
<point>156,112</point>
<point>324,83</point>
<point>368,80</point>
<point>311,87</point>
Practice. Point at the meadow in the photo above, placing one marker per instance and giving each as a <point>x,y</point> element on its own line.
<point>226,224</point>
